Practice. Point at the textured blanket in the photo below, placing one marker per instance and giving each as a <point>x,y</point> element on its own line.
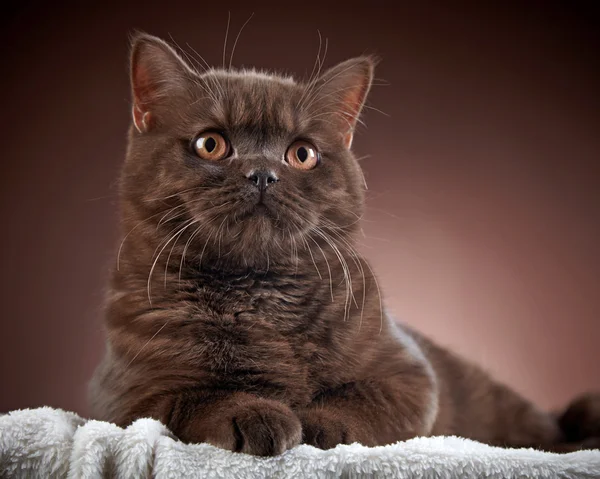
<point>48,442</point>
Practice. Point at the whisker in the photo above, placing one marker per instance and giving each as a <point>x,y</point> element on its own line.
<point>204,249</point>
<point>226,34</point>
<point>310,87</point>
<point>220,235</point>
<point>147,343</point>
<point>169,257</point>
<point>187,244</point>
<point>312,257</point>
<point>345,269</point>
<point>328,267</point>
<point>310,78</point>
<point>377,110</point>
<point>127,236</point>
<point>187,225</point>
<point>357,261</point>
<point>195,188</point>
<point>236,40</point>
<point>315,92</point>
<point>207,76</point>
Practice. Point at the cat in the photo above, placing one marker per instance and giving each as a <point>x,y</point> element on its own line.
<point>240,313</point>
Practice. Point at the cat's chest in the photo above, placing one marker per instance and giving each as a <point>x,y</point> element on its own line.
<point>280,304</point>
<point>251,333</point>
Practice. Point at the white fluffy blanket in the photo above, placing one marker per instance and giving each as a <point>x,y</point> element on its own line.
<point>48,442</point>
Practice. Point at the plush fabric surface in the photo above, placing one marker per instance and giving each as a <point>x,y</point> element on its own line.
<point>48,442</point>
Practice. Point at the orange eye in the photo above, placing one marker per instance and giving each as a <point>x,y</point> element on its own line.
<point>211,145</point>
<point>302,155</point>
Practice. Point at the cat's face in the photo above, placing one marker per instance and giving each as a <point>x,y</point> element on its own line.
<point>246,166</point>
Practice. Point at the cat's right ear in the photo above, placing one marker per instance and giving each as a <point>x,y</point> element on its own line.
<point>157,73</point>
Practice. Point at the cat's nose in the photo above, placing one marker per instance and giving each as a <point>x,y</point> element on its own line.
<point>262,179</point>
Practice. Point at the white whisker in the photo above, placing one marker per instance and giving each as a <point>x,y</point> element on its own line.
<point>226,35</point>
<point>187,224</point>
<point>236,40</point>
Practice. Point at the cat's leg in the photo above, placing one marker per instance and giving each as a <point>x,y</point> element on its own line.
<point>371,412</point>
<point>505,418</point>
<point>394,397</point>
<point>500,417</point>
<point>575,429</point>
<point>477,407</point>
<point>235,421</point>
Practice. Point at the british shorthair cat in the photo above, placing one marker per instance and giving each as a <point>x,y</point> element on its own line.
<point>239,311</point>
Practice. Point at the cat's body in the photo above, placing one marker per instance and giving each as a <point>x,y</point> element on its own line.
<point>240,313</point>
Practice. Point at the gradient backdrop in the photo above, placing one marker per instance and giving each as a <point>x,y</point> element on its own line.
<point>484,174</point>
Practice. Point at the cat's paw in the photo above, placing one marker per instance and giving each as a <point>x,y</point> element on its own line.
<point>260,427</point>
<point>581,420</point>
<point>325,429</point>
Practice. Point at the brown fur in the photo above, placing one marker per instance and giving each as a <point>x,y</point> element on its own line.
<point>256,328</point>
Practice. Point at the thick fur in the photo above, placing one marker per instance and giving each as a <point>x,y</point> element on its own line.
<point>255,328</point>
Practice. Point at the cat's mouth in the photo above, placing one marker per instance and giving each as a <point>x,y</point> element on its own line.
<point>263,211</point>
<point>259,209</point>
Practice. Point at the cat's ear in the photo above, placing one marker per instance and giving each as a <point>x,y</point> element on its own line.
<point>343,90</point>
<point>157,73</point>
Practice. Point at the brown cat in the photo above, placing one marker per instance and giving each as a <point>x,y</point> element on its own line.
<point>240,313</point>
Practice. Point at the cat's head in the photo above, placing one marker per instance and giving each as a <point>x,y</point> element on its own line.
<point>244,165</point>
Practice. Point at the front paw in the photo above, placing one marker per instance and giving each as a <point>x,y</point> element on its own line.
<point>260,427</point>
<point>325,429</point>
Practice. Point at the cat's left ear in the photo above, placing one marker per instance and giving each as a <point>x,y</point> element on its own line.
<point>342,91</point>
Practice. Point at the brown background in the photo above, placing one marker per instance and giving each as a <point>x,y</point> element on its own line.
<point>484,217</point>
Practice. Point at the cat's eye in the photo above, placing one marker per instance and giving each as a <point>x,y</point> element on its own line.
<point>302,155</point>
<point>211,145</point>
